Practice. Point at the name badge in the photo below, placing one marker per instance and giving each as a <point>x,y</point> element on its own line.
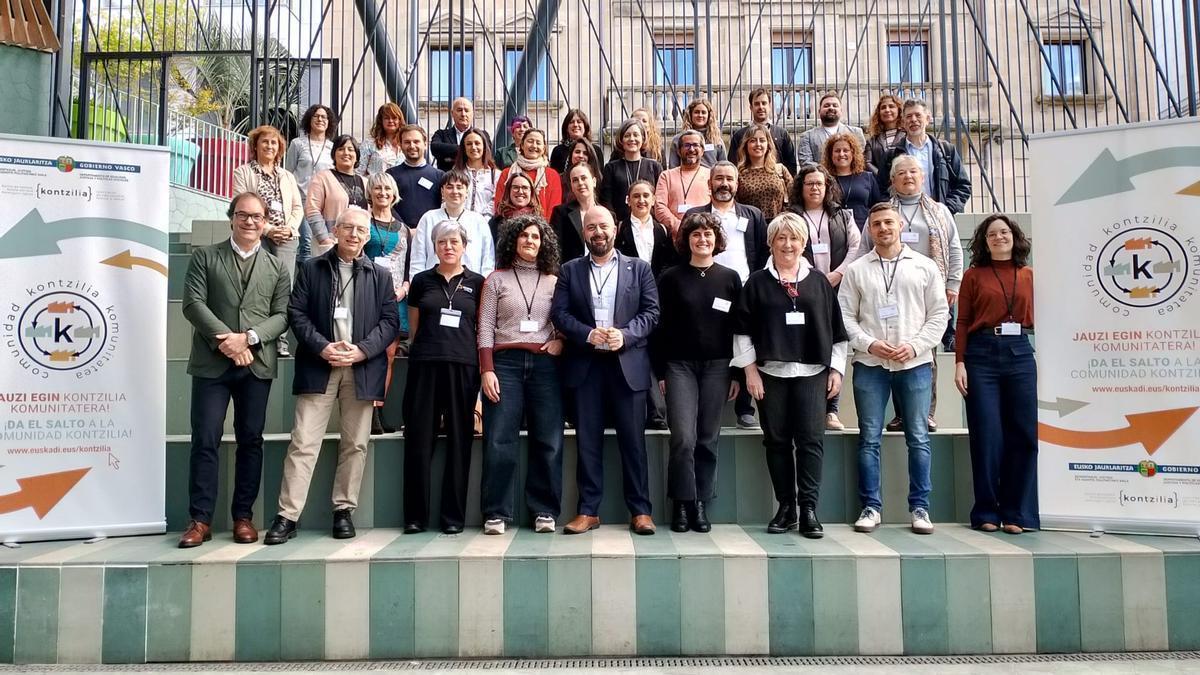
<point>425,183</point>
<point>708,147</point>
<point>682,208</point>
<point>1010,328</point>
<point>603,315</point>
<point>451,318</point>
<point>341,313</point>
<point>276,205</point>
<point>794,318</point>
<point>721,305</point>
<point>529,326</point>
<point>909,237</point>
<point>822,247</point>
<point>889,311</point>
<point>743,223</point>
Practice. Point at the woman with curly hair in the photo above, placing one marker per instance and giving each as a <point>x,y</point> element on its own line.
<point>700,116</point>
<point>381,151</point>
<point>518,358</point>
<point>883,130</point>
<point>843,158</point>
<point>997,375</point>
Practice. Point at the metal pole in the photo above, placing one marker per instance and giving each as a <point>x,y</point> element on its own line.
<point>958,111</point>
<point>84,67</point>
<point>537,43</point>
<point>164,66</point>
<point>254,82</point>
<point>696,34</point>
<point>1190,11</point>
<point>385,58</point>
<point>708,47</point>
<point>945,67</point>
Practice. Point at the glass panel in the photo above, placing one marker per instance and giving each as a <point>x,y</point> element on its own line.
<point>1066,58</point>
<point>441,61</point>
<point>906,62</point>
<point>539,89</point>
<point>675,66</point>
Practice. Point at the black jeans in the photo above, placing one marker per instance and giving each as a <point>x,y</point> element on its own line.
<point>210,401</point>
<point>606,394</point>
<point>696,393</point>
<point>793,423</point>
<point>438,390</point>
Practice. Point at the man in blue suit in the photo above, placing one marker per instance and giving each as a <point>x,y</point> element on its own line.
<point>606,304</point>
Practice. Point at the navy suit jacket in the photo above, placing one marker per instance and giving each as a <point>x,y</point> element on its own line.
<point>635,313</point>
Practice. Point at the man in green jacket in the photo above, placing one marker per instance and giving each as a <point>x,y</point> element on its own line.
<point>235,296</point>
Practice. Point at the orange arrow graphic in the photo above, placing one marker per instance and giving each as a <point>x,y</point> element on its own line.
<point>41,493</point>
<point>1192,190</point>
<point>1151,429</point>
<point>127,260</point>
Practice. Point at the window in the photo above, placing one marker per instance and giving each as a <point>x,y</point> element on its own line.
<point>791,75</point>
<point>908,61</point>
<point>675,66</point>
<point>539,87</point>
<point>445,67</point>
<point>1065,60</point>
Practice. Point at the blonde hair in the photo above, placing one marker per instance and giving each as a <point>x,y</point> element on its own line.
<point>770,161</point>
<point>786,223</point>
<point>712,132</point>
<point>652,147</point>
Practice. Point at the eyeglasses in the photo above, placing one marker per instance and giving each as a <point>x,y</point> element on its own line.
<point>809,184</point>
<point>251,217</point>
<point>690,146</point>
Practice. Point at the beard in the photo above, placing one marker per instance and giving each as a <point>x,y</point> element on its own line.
<point>600,247</point>
<point>723,194</point>
<point>830,117</point>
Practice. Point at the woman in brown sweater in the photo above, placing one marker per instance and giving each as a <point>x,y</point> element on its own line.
<point>762,181</point>
<point>996,373</point>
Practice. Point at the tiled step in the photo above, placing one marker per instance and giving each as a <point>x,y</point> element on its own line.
<point>743,485</point>
<point>385,595</point>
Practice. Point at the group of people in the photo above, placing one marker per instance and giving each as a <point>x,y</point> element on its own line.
<point>540,290</point>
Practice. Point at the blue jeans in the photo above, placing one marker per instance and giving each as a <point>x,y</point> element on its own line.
<point>1002,415</point>
<point>529,389</point>
<point>910,390</point>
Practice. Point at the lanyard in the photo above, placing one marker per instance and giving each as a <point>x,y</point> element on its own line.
<point>313,158</point>
<point>817,226</point>
<point>628,179</point>
<point>597,284</point>
<point>338,299</point>
<point>688,188</point>
<point>1009,302</point>
<point>792,289</point>
<point>530,298</point>
<point>889,280</point>
<point>450,296</point>
<point>907,219</point>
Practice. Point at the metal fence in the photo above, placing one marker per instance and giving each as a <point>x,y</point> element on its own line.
<point>993,71</point>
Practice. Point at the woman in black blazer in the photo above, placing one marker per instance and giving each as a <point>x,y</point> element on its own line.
<point>659,249</point>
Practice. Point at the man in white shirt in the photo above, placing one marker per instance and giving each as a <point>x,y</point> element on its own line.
<point>894,307</point>
<point>812,142</point>
<point>480,254</point>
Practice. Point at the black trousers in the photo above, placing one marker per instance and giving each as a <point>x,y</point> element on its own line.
<point>210,401</point>
<point>793,424</point>
<point>606,394</point>
<point>435,391</point>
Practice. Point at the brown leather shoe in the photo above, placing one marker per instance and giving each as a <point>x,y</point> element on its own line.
<point>244,532</point>
<point>642,525</point>
<point>196,533</point>
<point>581,524</point>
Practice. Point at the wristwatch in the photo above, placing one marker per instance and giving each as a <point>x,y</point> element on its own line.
<point>252,338</point>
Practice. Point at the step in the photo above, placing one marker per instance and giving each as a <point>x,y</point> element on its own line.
<point>386,595</point>
<point>281,404</point>
<point>743,484</point>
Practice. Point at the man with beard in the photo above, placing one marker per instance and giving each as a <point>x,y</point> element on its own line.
<point>746,248</point>
<point>945,178</point>
<point>812,142</point>
<point>606,305</point>
<point>417,180</point>
<point>685,186</point>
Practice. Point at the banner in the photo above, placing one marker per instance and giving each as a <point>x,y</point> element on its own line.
<point>83,300</point>
<point>1116,216</point>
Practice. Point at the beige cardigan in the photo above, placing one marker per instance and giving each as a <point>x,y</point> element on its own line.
<point>245,180</point>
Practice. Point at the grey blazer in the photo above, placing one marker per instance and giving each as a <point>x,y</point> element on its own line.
<point>812,142</point>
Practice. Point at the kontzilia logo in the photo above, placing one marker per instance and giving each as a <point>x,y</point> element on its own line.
<point>1144,267</point>
<point>61,330</point>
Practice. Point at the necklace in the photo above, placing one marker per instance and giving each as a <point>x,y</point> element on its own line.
<point>704,271</point>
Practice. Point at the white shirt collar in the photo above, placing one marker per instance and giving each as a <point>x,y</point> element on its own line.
<point>244,254</point>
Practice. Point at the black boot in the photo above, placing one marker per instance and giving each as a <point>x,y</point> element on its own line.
<point>809,525</point>
<point>281,530</point>
<point>343,526</point>
<point>377,424</point>
<point>700,518</point>
<point>785,519</point>
<point>679,516</point>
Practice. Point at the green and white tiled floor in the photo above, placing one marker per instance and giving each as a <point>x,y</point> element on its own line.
<point>385,595</point>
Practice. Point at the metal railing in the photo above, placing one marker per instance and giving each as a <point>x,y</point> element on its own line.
<point>993,71</point>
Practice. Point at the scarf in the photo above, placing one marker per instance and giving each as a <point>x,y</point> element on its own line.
<point>939,231</point>
<point>535,166</point>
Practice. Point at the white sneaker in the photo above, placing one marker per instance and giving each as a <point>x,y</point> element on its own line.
<point>493,526</point>
<point>920,522</point>
<point>543,524</point>
<point>867,521</point>
<point>832,423</point>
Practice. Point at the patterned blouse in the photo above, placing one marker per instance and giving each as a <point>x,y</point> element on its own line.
<point>377,160</point>
<point>758,186</point>
<point>268,189</point>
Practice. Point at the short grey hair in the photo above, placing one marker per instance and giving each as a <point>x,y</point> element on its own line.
<point>385,179</point>
<point>448,228</point>
<point>901,161</point>
<point>724,163</point>
<point>690,132</point>
<point>353,212</point>
<point>787,222</point>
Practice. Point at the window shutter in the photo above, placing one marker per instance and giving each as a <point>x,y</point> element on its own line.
<point>26,23</point>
